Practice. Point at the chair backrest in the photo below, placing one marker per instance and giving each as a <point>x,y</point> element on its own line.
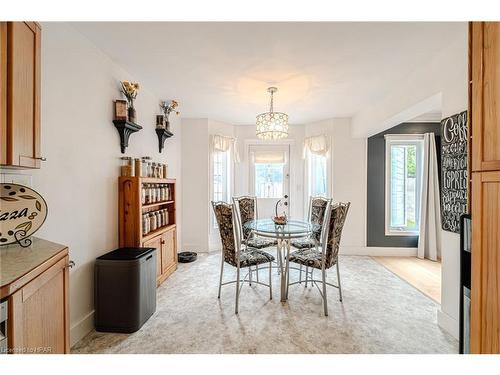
<point>228,229</point>
<point>338,214</point>
<point>317,212</point>
<point>246,208</point>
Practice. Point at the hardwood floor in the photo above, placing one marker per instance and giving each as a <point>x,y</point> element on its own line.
<point>423,274</point>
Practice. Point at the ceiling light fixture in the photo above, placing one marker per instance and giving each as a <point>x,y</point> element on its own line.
<point>272,125</point>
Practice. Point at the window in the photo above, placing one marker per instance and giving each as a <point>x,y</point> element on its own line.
<point>317,179</point>
<point>221,186</point>
<point>403,184</point>
<point>269,180</point>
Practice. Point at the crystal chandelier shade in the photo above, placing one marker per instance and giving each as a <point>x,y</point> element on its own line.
<point>272,125</point>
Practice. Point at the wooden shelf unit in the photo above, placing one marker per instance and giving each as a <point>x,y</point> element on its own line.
<point>164,239</point>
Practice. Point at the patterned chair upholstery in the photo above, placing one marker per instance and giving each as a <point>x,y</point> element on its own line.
<point>247,210</point>
<point>233,254</point>
<point>317,215</point>
<point>313,258</point>
<point>226,223</point>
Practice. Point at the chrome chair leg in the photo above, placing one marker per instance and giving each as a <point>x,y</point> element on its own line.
<point>307,274</point>
<point>270,282</point>
<point>338,279</point>
<point>250,275</point>
<point>221,271</point>
<point>287,268</point>
<point>325,303</point>
<point>237,289</point>
<point>300,274</point>
<point>257,272</point>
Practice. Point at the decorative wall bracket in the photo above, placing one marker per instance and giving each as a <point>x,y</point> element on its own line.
<point>162,134</point>
<point>125,128</point>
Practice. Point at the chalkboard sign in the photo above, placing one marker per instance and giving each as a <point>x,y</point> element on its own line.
<point>454,179</point>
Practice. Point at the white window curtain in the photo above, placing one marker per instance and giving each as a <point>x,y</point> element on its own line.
<point>317,145</point>
<point>223,143</point>
<point>429,240</point>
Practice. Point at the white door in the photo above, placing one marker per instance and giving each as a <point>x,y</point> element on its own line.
<point>270,178</point>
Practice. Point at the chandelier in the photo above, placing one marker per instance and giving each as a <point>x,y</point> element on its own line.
<point>272,125</point>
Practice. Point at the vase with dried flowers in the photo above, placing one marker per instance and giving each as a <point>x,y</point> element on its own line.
<point>130,89</point>
<point>281,219</point>
<point>168,107</point>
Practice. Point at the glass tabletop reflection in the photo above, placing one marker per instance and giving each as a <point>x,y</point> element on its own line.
<point>292,227</point>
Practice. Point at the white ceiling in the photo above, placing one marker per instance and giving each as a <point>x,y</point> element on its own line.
<point>221,70</point>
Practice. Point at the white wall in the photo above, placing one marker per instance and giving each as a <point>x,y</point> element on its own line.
<point>439,84</point>
<point>195,185</point>
<point>79,178</point>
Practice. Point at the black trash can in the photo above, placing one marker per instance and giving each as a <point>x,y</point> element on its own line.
<point>124,289</point>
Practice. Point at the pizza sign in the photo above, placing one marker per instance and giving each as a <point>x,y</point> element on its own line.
<point>22,213</point>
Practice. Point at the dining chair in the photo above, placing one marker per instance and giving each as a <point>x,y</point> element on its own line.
<point>246,208</point>
<point>327,257</point>
<point>234,253</point>
<point>316,214</point>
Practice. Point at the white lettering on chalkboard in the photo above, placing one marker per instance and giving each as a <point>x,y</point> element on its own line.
<point>454,181</point>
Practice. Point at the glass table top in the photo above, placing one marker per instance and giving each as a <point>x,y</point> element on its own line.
<point>292,227</point>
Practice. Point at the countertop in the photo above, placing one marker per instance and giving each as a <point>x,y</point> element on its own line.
<point>20,265</point>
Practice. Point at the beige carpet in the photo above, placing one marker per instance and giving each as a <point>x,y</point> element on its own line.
<point>423,274</point>
<point>380,314</point>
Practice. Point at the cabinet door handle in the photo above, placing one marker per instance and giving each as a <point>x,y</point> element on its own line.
<point>71,264</point>
<point>41,159</point>
<point>162,242</point>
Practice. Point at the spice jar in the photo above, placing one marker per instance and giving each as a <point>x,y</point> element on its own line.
<point>153,222</point>
<point>159,219</point>
<point>145,224</point>
<point>165,169</point>
<point>137,167</point>
<point>153,193</point>
<point>165,217</point>
<point>127,166</point>
<point>144,166</point>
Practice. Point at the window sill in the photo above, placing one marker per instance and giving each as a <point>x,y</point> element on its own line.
<point>405,234</point>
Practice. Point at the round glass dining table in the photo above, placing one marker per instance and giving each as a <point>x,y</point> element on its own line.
<point>284,234</point>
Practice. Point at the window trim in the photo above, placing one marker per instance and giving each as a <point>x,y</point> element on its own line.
<point>286,148</point>
<point>400,139</point>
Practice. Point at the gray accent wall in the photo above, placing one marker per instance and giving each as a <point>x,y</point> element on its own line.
<point>375,219</point>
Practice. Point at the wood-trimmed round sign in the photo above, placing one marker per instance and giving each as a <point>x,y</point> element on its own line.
<point>22,212</point>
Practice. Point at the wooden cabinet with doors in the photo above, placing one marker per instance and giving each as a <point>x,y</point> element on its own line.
<point>485,321</point>
<point>20,53</point>
<point>485,101</point>
<point>485,193</point>
<point>35,284</point>
<point>131,211</point>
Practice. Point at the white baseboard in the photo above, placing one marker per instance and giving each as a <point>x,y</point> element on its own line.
<point>378,251</point>
<point>80,329</point>
<point>448,323</point>
<point>194,247</point>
